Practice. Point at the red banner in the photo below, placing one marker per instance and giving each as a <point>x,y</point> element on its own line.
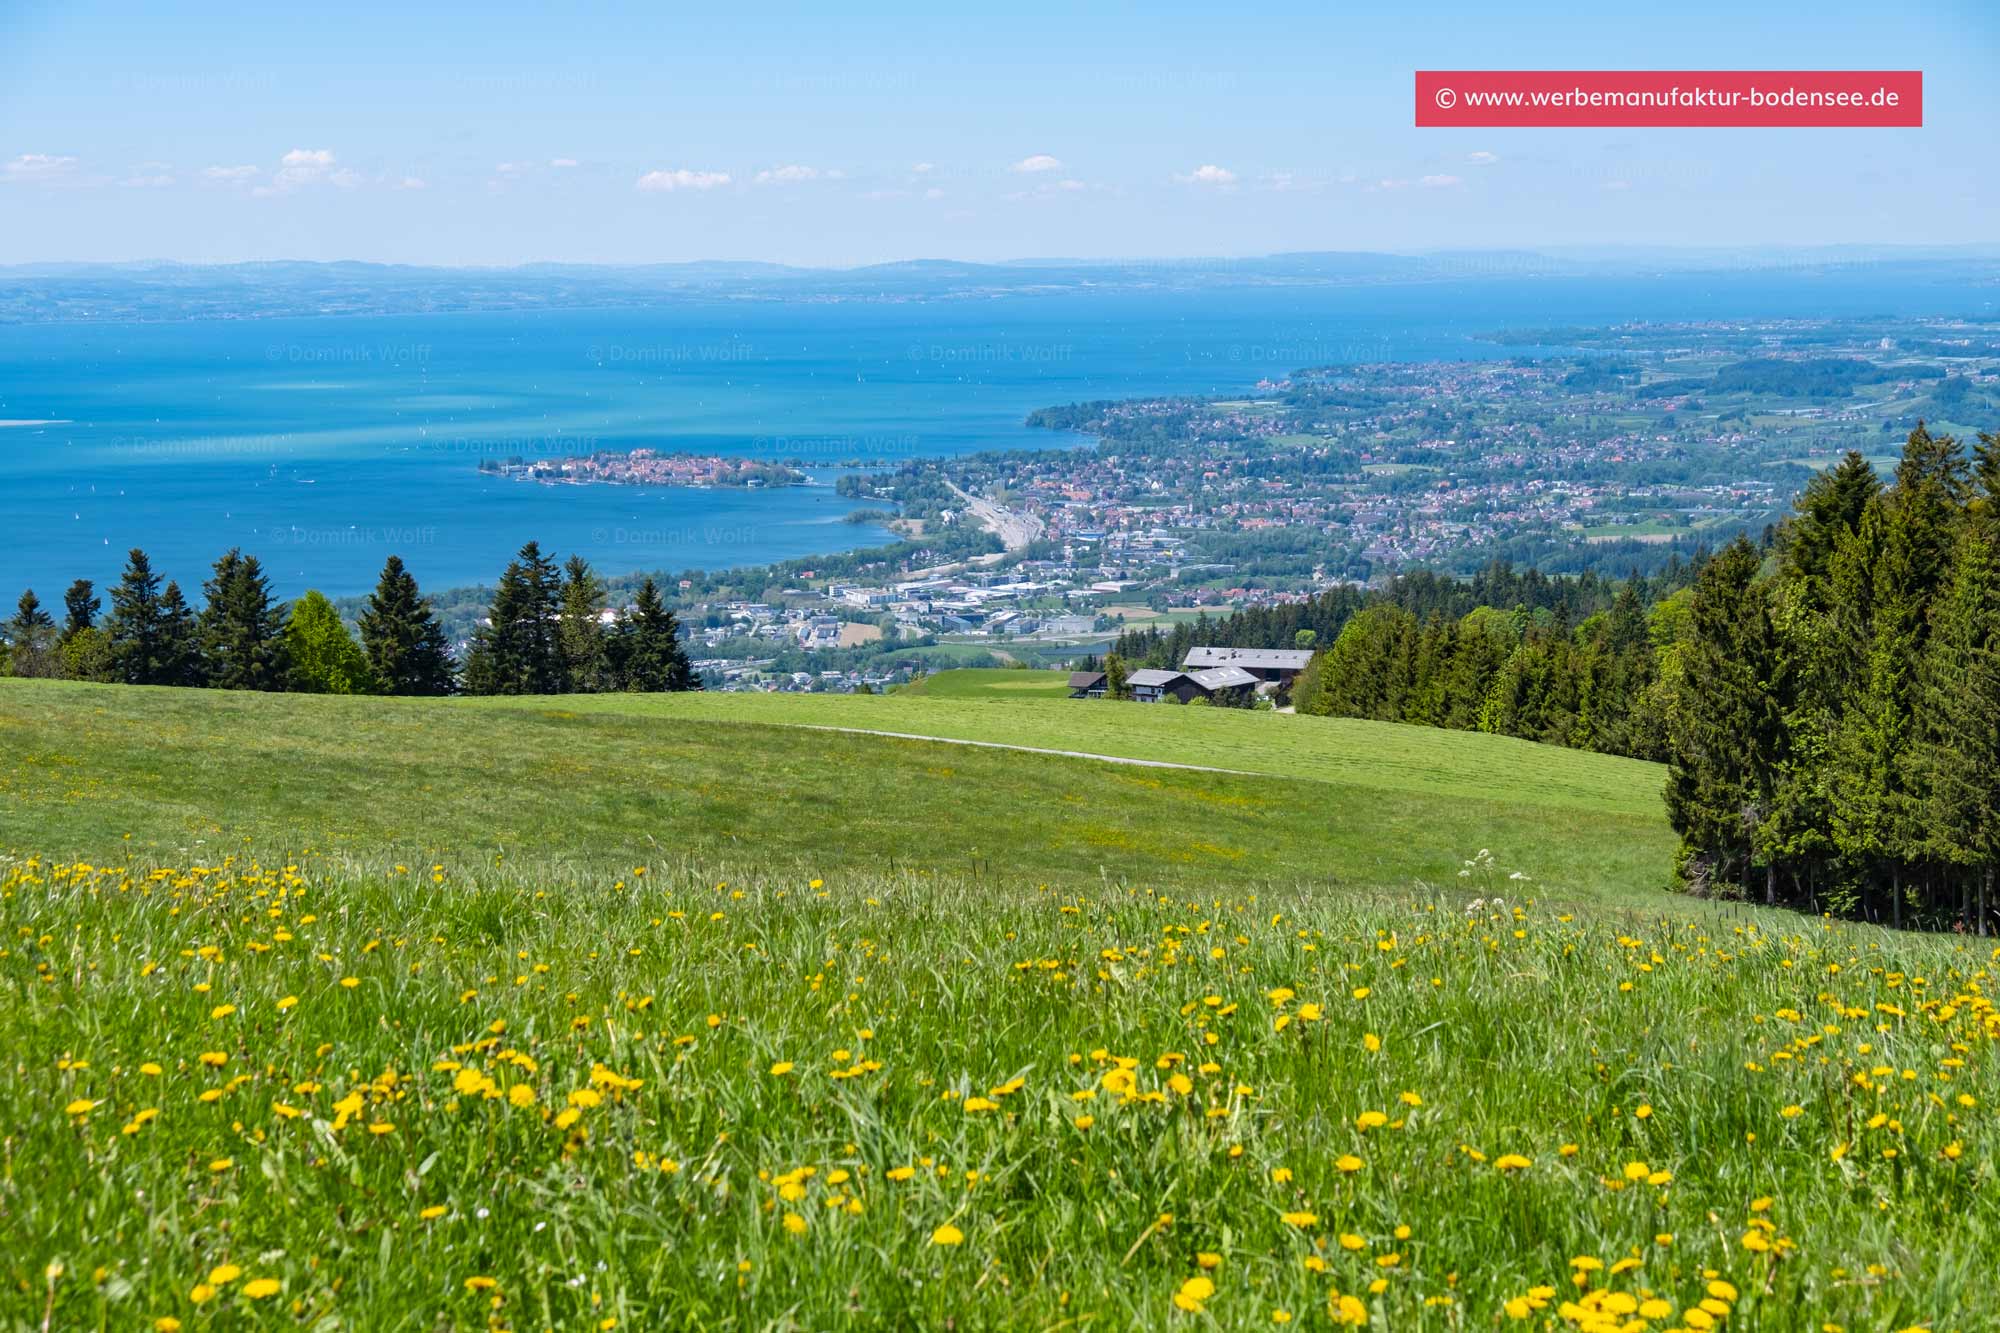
<point>1685,98</point>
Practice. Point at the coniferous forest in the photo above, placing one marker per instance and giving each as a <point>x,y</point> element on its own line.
<point>549,631</point>
<point>1827,700</point>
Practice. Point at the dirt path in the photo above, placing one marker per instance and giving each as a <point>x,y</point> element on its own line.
<point>1030,749</point>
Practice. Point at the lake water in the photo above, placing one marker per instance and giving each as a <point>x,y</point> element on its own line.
<point>324,445</point>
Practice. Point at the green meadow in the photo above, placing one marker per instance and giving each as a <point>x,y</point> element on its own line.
<point>684,1012</point>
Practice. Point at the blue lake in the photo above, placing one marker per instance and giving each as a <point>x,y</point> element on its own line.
<point>324,445</point>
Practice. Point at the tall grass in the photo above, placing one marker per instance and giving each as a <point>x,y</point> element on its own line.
<point>689,1095</point>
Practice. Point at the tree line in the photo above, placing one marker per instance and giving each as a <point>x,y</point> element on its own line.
<point>1519,672</point>
<point>1837,745</point>
<point>548,631</point>
<point>1827,700</point>
<point>1555,602</point>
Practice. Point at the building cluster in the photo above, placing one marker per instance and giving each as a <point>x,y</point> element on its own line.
<point>1217,675</point>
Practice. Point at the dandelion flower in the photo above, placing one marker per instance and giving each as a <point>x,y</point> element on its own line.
<point>947,1234</point>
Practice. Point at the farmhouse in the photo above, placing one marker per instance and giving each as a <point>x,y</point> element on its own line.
<point>1276,665</point>
<point>1086,685</point>
<point>1223,680</point>
<point>1152,687</point>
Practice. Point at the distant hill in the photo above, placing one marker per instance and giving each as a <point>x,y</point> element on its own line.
<point>163,290</point>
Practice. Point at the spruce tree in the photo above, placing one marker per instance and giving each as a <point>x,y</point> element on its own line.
<point>406,647</point>
<point>1879,820</point>
<point>133,628</point>
<point>649,653</point>
<point>31,639</point>
<point>1827,510</point>
<point>585,660</point>
<point>242,631</point>
<point>1725,739</point>
<point>1115,673</point>
<point>180,640</point>
<point>517,650</point>
<point>1958,747</point>
<point>80,607</point>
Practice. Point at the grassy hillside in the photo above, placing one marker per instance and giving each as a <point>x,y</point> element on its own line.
<point>640,1013</point>
<point>256,1098</point>
<point>989,683</point>
<point>604,781</point>
<point>1378,756</point>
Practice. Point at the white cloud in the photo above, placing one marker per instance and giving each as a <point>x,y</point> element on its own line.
<point>508,168</point>
<point>150,177</point>
<point>1391,183</point>
<point>306,166</point>
<point>1039,162</point>
<point>1482,158</point>
<point>1441,182</point>
<point>559,163</point>
<point>682,179</point>
<point>1208,174</point>
<point>795,174</point>
<point>922,168</point>
<point>227,173</point>
<point>411,183</point>
<point>38,167</point>
<point>934,193</point>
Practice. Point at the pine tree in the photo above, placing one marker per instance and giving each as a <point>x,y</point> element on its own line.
<point>405,645</point>
<point>180,640</point>
<point>1827,510</point>
<point>1879,820</point>
<point>586,662</point>
<point>649,653</point>
<point>1958,747</point>
<point>80,607</point>
<point>1725,740</point>
<point>323,656</point>
<point>31,639</point>
<point>1115,676</point>
<point>1485,641</point>
<point>138,655</point>
<point>517,651</point>
<point>242,631</point>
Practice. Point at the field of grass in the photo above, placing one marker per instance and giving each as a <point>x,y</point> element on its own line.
<point>990,683</point>
<point>671,1013</point>
<point>1375,755</point>
<point>600,782</point>
<point>247,1096</point>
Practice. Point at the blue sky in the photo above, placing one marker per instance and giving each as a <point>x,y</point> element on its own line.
<point>500,133</point>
